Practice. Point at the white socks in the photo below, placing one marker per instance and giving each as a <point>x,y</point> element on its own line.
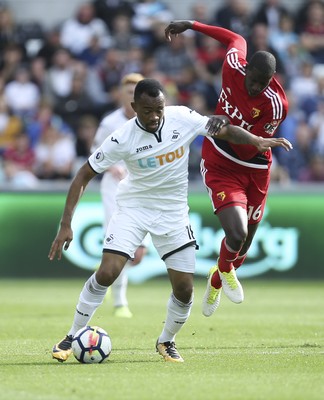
<point>91,296</point>
<point>177,315</point>
<point>119,289</point>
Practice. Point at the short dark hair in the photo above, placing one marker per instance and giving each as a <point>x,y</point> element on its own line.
<point>151,87</point>
<point>264,62</point>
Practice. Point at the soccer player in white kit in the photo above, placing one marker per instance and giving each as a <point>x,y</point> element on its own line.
<point>151,199</point>
<point>110,180</point>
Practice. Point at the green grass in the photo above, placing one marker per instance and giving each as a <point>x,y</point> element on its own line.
<point>270,347</point>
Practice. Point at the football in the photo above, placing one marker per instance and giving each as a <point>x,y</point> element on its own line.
<point>91,345</point>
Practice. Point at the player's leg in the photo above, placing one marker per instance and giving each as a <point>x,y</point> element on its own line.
<point>91,296</point>
<point>108,189</point>
<point>240,224</point>
<point>222,275</point>
<point>179,303</point>
<point>119,297</point>
<point>256,200</point>
<point>227,193</point>
<point>243,253</point>
<point>234,223</point>
<point>119,287</point>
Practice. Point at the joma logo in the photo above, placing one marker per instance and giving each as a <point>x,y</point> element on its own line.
<point>139,149</point>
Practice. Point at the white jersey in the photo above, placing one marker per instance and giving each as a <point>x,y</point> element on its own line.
<point>157,162</point>
<point>108,125</point>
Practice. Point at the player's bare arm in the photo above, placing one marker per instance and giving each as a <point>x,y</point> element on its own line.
<point>176,27</point>
<point>238,135</point>
<point>65,234</point>
<point>215,124</point>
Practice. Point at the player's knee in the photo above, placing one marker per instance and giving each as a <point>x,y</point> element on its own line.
<point>236,237</point>
<point>183,292</point>
<point>108,273</point>
<point>105,277</point>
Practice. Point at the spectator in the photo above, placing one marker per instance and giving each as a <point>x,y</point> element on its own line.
<point>270,12</point>
<point>55,154</point>
<point>278,173</point>
<point>44,118</point>
<point>10,126</point>
<point>109,10</point>
<point>299,159</point>
<point>85,133</point>
<point>92,54</point>
<point>50,45</point>
<point>282,38</point>
<point>134,60</point>
<point>59,77</point>
<point>8,28</point>
<point>146,14</point>
<point>234,15</point>
<point>316,122</point>
<point>10,59</point>
<point>312,33</point>
<point>38,73</point>
<point>22,95</point>
<point>310,104</point>
<point>76,103</point>
<point>304,85</point>
<point>110,70</point>
<point>78,31</point>
<point>314,172</point>
<point>21,153</point>
<point>18,178</point>
<point>124,38</point>
<point>199,12</point>
<point>301,14</point>
<point>31,37</point>
<point>173,58</point>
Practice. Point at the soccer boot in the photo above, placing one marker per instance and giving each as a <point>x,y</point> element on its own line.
<point>212,296</point>
<point>168,351</point>
<point>62,350</point>
<point>231,286</point>
<point>123,312</point>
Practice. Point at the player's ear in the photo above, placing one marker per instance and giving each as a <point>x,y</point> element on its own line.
<point>133,104</point>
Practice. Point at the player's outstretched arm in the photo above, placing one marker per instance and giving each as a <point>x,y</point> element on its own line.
<point>65,234</point>
<point>238,135</point>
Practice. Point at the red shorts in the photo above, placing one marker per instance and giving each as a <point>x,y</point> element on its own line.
<point>230,184</point>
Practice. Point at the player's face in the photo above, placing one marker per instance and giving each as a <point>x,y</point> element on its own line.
<point>150,111</point>
<point>256,82</point>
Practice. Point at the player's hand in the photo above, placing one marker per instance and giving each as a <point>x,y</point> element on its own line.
<point>266,143</point>
<point>176,27</point>
<point>215,124</point>
<point>63,239</point>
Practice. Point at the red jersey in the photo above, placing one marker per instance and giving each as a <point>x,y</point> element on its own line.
<point>260,115</point>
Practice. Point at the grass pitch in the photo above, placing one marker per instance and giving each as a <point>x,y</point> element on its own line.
<point>270,347</point>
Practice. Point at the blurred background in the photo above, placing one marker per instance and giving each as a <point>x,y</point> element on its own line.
<point>60,67</point>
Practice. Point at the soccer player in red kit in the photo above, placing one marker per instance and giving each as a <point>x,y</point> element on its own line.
<point>237,177</point>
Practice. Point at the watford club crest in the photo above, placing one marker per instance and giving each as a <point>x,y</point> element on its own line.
<point>221,196</point>
<point>271,127</point>
<point>255,112</point>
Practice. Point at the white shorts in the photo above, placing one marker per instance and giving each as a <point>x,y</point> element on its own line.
<point>170,231</point>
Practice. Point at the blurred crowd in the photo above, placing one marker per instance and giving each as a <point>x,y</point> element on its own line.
<point>56,84</point>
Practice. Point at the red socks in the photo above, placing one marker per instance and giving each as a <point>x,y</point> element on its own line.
<point>239,261</point>
<point>226,257</point>
<point>226,261</point>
